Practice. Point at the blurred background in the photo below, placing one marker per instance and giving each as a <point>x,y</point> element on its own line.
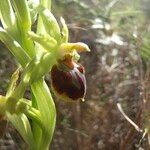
<point>117,70</point>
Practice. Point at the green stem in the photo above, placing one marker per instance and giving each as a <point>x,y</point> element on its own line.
<point>15,96</point>
<point>46,106</point>
<point>38,67</point>
<point>43,99</point>
<point>44,114</point>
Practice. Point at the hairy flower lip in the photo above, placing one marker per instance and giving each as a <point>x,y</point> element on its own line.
<point>68,80</point>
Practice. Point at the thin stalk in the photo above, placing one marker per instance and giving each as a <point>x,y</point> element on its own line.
<point>128,119</point>
<point>44,99</point>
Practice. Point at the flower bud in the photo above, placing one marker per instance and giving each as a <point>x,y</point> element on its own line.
<point>68,80</point>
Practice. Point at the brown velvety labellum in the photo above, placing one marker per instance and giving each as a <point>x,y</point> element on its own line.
<point>69,83</point>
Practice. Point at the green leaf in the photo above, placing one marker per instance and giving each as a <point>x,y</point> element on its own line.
<point>23,13</point>
<point>24,25</point>
<point>22,124</point>
<point>8,18</point>
<point>7,14</point>
<point>46,106</point>
<point>14,47</point>
<point>37,131</point>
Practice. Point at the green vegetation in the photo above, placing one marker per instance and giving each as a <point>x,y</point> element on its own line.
<point>117,72</point>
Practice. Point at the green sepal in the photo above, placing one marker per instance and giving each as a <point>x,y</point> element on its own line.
<point>64,31</point>
<point>45,40</point>
<point>33,13</point>
<point>46,3</point>
<point>50,23</point>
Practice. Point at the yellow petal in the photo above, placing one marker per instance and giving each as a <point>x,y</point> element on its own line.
<point>79,47</point>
